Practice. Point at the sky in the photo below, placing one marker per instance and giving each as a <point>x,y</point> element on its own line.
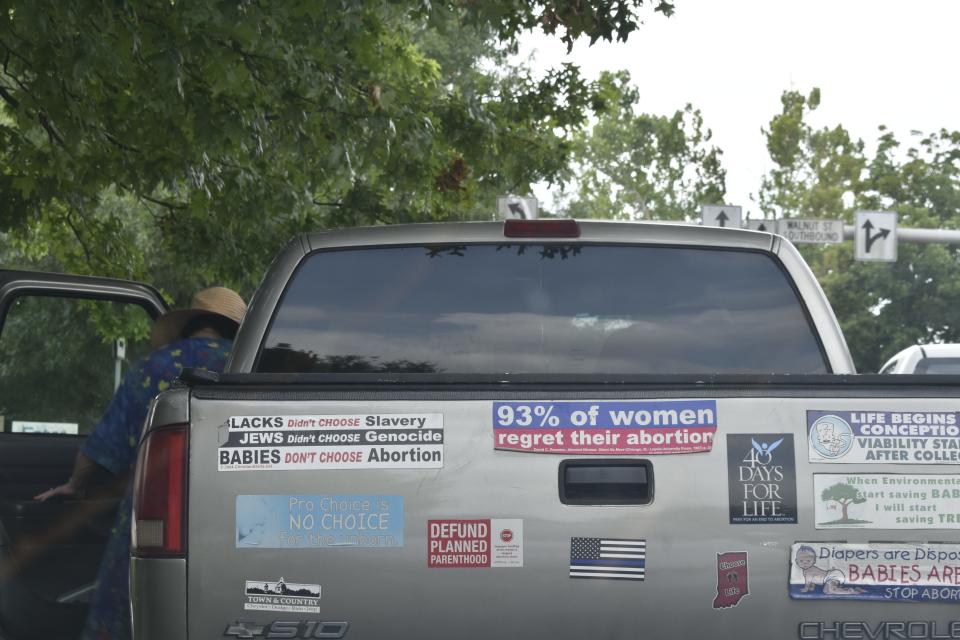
<point>875,61</point>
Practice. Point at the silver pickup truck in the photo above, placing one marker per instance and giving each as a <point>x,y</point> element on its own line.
<point>546,429</point>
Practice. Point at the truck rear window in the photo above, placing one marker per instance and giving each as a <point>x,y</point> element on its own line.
<point>533,309</point>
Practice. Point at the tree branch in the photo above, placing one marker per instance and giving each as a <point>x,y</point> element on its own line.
<point>52,132</point>
<point>79,237</point>
<point>172,206</point>
<point>9,99</point>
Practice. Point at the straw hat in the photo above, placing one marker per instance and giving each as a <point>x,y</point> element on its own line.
<point>217,300</point>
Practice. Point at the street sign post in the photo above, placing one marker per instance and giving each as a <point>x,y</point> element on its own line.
<point>799,231</point>
<point>764,224</point>
<point>524,208</point>
<point>720,215</point>
<point>875,236</point>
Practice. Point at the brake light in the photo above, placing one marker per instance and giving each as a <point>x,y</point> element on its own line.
<point>546,228</point>
<point>159,494</point>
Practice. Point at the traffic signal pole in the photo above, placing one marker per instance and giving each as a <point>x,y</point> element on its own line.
<point>917,236</point>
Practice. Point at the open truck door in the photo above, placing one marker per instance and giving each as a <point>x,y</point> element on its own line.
<point>65,342</point>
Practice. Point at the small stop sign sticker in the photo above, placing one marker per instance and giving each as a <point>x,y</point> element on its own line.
<point>506,535</point>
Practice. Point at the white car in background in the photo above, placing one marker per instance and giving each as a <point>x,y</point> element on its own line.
<point>925,358</point>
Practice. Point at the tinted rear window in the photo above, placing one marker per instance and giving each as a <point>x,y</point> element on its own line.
<point>939,365</point>
<point>504,309</point>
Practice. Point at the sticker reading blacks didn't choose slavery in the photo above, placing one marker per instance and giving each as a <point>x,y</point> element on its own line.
<point>354,441</point>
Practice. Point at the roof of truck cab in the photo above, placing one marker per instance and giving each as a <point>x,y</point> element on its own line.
<point>605,231</point>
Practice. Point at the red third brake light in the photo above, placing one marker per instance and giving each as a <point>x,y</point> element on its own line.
<point>159,494</point>
<point>516,228</point>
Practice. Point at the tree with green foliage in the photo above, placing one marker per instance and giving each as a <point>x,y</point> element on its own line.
<point>202,134</point>
<point>630,165</point>
<point>844,495</point>
<point>826,173</point>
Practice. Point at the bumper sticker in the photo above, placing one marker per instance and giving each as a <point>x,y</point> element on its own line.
<point>474,544</point>
<point>761,478</point>
<point>883,437</point>
<point>280,595</point>
<point>605,428</point>
<point>312,521</point>
<point>355,441</point>
<point>608,558</point>
<point>732,579</point>
<point>875,571</point>
<point>886,501</point>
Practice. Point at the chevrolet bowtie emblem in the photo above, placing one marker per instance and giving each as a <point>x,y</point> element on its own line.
<point>243,629</point>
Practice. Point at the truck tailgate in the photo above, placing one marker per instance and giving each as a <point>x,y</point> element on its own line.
<point>487,542</point>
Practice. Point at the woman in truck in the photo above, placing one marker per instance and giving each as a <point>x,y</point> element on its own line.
<point>200,336</point>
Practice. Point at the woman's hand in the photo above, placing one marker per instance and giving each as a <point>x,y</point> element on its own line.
<point>69,488</point>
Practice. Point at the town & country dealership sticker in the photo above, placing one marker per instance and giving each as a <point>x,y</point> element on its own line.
<point>885,437</point>
<point>605,428</point>
<point>280,595</point>
<point>312,521</point>
<point>886,501</point>
<point>875,571</point>
<point>353,441</point>
<point>475,544</point>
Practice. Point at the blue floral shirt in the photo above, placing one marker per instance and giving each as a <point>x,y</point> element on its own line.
<point>113,445</point>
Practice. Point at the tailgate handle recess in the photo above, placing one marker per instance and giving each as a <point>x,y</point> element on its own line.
<point>606,482</point>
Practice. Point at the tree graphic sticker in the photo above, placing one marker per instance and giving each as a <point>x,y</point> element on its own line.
<point>844,495</point>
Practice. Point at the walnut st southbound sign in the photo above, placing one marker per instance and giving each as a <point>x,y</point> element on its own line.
<point>354,441</point>
<point>605,428</point>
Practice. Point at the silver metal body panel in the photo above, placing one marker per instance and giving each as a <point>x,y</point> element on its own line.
<point>264,303</point>
<point>391,593</point>
<point>158,598</point>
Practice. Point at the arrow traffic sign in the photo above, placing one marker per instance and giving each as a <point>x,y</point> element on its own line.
<point>720,215</point>
<point>875,236</point>
<point>521,207</point>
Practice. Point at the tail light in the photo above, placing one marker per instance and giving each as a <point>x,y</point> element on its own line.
<point>541,228</point>
<point>160,494</point>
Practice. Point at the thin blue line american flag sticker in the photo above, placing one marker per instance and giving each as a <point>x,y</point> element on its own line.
<point>608,558</point>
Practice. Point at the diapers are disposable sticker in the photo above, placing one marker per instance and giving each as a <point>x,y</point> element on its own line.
<point>875,571</point>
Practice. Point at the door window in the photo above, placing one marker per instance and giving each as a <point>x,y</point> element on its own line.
<point>62,358</point>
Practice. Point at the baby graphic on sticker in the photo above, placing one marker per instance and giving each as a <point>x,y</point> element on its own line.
<point>813,576</point>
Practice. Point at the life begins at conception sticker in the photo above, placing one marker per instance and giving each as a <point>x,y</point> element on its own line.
<point>605,428</point>
<point>883,437</point>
